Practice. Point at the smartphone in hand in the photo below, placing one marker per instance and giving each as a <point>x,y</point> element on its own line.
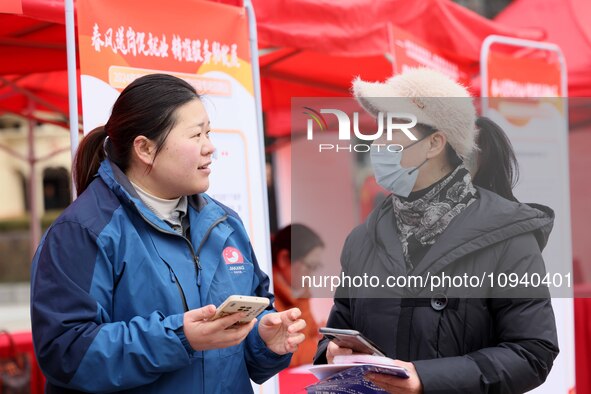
<point>351,339</point>
<point>252,306</point>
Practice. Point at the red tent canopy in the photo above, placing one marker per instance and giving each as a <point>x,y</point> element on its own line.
<point>29,44</point>
<point>33,47</point>
<point>565,23</point>
<point>44,91</point>
<point>326,44</point>
<point>358,27</point>
<point>309,48</point>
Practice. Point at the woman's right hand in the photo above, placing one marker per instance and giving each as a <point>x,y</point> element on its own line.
<point>204,334</point>
<point>335,350</point>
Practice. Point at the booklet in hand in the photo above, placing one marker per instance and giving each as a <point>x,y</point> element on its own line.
<point>347,374</point>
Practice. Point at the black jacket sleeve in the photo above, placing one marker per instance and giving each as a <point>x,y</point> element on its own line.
<point>525,336</point>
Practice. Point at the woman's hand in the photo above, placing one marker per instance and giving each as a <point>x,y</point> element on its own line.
<point>393,384</point>
<point>204,334</point>
<point>281,331</point>
<point>335,350</point>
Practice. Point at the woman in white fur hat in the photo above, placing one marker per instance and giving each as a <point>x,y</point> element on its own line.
<point>439,220</point>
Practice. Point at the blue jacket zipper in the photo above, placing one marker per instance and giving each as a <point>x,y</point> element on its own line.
<point>195,255</point>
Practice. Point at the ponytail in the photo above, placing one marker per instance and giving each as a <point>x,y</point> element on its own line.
<point>498,169</point>
<point>88,158</point>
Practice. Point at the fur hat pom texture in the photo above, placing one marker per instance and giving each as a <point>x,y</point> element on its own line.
<point>435,99</point>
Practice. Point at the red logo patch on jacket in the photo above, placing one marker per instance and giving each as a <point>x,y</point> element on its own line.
<point>232,256</point>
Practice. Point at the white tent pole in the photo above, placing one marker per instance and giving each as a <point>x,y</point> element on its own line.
<point>256,80</point>
<point>35,224</point>
<point>271,386</point>
<point>72,83</point>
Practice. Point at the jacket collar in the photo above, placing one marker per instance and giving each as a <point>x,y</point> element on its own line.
<point>118,182</point>
<point>489,220</point>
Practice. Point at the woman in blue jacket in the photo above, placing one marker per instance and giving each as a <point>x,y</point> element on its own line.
<point>126,280</point>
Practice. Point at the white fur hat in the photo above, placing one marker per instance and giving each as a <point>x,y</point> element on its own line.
<point>432,97</point>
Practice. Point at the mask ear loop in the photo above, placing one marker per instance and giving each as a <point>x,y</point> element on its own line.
<point>417,141</point>
<point>420,165</point>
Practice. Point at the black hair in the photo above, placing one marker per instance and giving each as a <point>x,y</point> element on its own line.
<point>145,107</point>
<point>304,240</point>
<point>497,166</point>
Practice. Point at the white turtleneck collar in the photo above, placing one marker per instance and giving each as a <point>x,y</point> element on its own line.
<point>170,211</point>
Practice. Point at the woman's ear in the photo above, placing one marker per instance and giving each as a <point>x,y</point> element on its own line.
<point>144,149</point>
<point>437,143</point>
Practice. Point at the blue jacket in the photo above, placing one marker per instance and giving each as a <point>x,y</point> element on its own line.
<point>111,282</point>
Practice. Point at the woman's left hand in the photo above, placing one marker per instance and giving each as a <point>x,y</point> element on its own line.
<point>393,384</point>
<point>281,331</point>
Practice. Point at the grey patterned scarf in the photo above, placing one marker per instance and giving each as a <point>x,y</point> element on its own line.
<point>420,221</point>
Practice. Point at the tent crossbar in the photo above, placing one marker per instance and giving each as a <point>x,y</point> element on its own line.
<point>32,29</point>
<point>18,42</point>
<point>281,58</point>
<point>62,124</point>
<point>8,94</point>
<point>306,81</point>
<point>8,150</point>
<point>32,96</point>
<point>13,153</point>
<point>52,154</point>
<point>16,79</point>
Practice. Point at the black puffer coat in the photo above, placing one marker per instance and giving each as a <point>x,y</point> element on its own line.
<point>458,344</point>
